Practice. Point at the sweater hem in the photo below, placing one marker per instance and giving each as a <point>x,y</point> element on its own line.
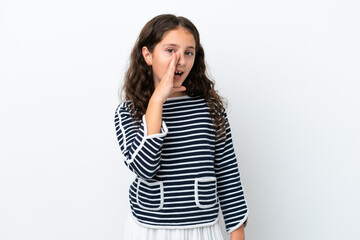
<point>174,227</point>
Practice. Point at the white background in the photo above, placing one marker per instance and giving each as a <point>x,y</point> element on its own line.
<point>289,69</point>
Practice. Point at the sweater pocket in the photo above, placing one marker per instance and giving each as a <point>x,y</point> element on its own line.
<point>150,195</point>
<point>205,192</point>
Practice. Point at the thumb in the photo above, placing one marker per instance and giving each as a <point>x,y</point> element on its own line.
<point>179,89</point>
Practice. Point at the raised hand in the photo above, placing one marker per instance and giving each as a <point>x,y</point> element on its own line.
<point>166,86</point>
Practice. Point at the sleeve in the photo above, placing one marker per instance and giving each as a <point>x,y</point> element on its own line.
<point>230,191</point>
<point>140,152</point>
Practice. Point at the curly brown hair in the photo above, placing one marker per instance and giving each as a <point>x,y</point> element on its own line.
<point>139,84</point>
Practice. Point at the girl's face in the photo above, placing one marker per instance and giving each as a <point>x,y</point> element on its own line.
<point>177,40</point>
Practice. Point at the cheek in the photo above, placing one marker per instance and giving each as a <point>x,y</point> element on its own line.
<point>190,64</point>
<point>164,64</point>
<point>160,67</point>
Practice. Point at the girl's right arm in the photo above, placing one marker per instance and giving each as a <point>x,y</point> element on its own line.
<point>153,115</point>
<point>164,89</point>
<point>141,147</point>
<point>140,151</point>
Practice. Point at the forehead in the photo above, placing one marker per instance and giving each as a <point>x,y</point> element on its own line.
<point>180,36</point>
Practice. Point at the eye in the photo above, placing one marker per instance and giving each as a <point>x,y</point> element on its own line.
<point>170,50</point>
<point>189,53</point>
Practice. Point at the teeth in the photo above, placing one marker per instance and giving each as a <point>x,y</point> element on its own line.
<point>177,72</point>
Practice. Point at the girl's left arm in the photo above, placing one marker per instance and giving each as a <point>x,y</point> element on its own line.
<point>238,234</point>
<point>229,188</point>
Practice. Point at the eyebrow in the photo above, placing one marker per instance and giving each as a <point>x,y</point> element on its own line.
<point>175,45</point>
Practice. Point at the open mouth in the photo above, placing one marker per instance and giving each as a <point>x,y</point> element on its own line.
<point>178,73</point>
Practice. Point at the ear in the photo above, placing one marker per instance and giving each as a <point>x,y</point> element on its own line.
<point>147,55</point>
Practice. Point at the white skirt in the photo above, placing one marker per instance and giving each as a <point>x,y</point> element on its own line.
<point>134,231</point>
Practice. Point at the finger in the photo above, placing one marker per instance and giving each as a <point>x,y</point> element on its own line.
<point>171,69</point>
<point>177,58</point>
<point>179,89</point>
<point>174,60</point>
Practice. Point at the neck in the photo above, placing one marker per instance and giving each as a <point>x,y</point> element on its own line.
<point>178,94</point>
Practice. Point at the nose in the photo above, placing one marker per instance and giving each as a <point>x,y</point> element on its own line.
<point>181,59</point>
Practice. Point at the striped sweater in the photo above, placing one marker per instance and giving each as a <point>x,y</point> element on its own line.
<point>183,175</point>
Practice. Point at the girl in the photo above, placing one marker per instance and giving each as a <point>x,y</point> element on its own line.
<point>174,134</point>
